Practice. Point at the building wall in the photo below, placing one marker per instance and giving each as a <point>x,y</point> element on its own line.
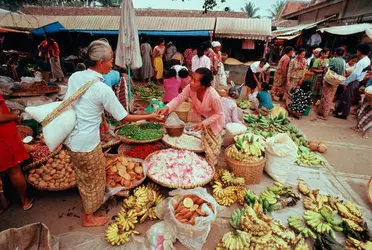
<point>320,14</point>
<point>359,7</point>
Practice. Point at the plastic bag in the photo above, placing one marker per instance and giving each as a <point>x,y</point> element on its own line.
<point>253,96</point>
<point>14,105</point>
<point>59,128</point>
<point>233,129</point>
<point>155,236</point>
<point>193,237</point>
<point>281,154</point>
<point>173,120</point>
<point>7,83</point>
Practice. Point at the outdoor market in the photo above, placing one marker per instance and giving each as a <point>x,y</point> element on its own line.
<point>128,128</point>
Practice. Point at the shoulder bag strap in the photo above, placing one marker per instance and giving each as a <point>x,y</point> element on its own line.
<point>67,103</point>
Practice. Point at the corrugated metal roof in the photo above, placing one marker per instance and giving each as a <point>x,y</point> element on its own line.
<point>174,23</point>
<point>243,28</point>
<point>107,22</point>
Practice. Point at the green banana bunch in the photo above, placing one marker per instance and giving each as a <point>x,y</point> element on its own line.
<point>236,218</point>
<point>300,226</point>
<point>307,157</point>
<point>280,189</point>
<point>251,198</point>
<point>269,197</point>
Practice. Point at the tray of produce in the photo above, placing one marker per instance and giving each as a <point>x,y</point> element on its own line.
<point>40,154</point>
<point>140,151</point>
<point>185,141</point>
<point>178,169</point>
<point>140,132</point>
<point>124,172</point>
<point>36,89</point>
<point>149,92</point>
<point>108,140</point>
<point>57,174</point>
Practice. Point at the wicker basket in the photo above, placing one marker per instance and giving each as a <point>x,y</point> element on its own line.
<point>41,161</point>
<point>49,188</point>
<point>24,131</point>
<point>180,148</point>
<point>177,186</point>
<point>251,172</point>
<point>127,140</point>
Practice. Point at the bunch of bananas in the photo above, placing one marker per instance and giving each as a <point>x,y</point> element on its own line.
<point>139,205</point>
<point>354,244</point>
<point>323,223</point>
<point>300,243</point>
<point>300,226</point>
<point>306,157</point>
<point>347,214</point>
<point>283,232</point>
<point>251,223</point>
<point>270,197</point>
<point>228,188</point>
<point>236,240</point>
<point>235,219</point>
<point>249,148</point>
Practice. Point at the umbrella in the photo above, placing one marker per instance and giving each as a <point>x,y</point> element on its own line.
<point>128,49</point>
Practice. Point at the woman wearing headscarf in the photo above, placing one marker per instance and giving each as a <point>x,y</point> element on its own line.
<point>84,141</point>
<point>206,103</point>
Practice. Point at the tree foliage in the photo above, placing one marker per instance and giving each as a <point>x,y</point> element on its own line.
<point>251,10</point>
<point>276,9</point>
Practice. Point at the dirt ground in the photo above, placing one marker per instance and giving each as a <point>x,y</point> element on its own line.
<point>349,169</point>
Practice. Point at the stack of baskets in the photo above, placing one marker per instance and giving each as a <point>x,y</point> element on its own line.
<point>251,172</point>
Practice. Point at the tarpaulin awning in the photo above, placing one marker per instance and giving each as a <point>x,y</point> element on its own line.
<point>288,37</point>
<point>175,33</point>
<point>243,28</point>
<point>298,28</point>
<point>350,29</point>
<point>48,29</point>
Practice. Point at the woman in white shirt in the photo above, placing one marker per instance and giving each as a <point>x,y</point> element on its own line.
<point>84,141</point>
<point>252,78</point>
<point>200,60</point>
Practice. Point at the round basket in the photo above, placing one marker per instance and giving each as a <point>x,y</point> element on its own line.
<point>180,148</point>
<point>177,186</point>
<point>127,140</point>
<point>50,189</point>
<point>123,192</point>
<point>52,90</point>
<point>24,131</point>
<point>123,147</point>
<point>369,190</point>
<point>251,172</point>
<point>41,161</point>
<point>112,142</point>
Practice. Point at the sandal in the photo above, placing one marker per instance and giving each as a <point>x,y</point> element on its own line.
<point>29,206</point>
<point>365,136</point>
<point>355,129</point>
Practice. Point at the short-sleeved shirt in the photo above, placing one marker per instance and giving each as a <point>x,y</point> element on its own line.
<point>265,100</point>
<point>255,67</point>
<point>89,108</point>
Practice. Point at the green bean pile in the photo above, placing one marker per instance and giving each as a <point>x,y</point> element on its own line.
<point>143,132</point>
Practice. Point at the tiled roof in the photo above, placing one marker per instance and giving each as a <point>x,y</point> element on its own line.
<point>98,11</point>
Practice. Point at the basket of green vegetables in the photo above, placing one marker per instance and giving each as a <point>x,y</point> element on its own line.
<point>140,132</point>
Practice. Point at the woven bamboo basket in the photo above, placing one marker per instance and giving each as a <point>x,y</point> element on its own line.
<point>251,172</point>
<point>24,131</point>
<point>49,188</point>
<point>41,161</point>
<point>177,186</point>
<point>128,140</point>
<point>112,142</point>
<point>180,148</point>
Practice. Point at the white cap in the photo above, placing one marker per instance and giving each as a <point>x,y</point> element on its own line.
<point>216,44</point>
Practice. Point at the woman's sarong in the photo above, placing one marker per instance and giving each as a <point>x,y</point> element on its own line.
<point>364,118</point>
<point>90,169</point>
<point>159,67</point>
<point>55,64</point>
<point>212,145</point>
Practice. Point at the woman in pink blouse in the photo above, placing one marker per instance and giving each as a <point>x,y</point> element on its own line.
<point>206,103</point>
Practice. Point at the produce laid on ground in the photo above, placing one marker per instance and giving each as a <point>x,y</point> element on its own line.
<point>141,132</point>
<point>184,141</point>
<point>319,146</point>
<point>149,92</point>
<point>227,188</point>
<point>281,124</point>
<point>39,151</point>
<point>136,208</point>
<point>249,148</point>
<point>123,172</point>
<point>190,207</point>
<point>176,168</point>
<point>244,104</point>
<point>57,173</point>
<point>141,151</point>
<point>37,88</point>
<point>252,229</point>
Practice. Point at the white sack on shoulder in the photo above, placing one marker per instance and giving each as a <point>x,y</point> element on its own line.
<point>59,128</point>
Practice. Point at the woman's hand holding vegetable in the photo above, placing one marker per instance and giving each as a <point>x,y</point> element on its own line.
<point>156,117</point>
<point>162,112</point>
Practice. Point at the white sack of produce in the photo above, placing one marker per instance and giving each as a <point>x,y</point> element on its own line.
<point>281,154</point>
<point>192,232</point>
<point>233,129</point>
<point>59,128</point>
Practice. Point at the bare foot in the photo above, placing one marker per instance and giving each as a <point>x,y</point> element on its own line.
<point>94,221</point>
<point>28,204</point>
<point>321,117</point>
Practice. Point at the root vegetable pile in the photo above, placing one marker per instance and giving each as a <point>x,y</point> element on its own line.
<point>189,207</point>
<point>39,152</point>
<point>58,172</point>
<point>136,208</point>
<point>123,172</point>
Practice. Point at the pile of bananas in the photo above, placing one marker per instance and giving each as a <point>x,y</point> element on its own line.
<point>354,244</point>
<point>300,226</point>
<point>136,208</point>
<point>244,104</point>
<point>249,148</point>
<point>323,222</point>
<point>254,230</point>
<point>307,157</point>
<point>227,188</point>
